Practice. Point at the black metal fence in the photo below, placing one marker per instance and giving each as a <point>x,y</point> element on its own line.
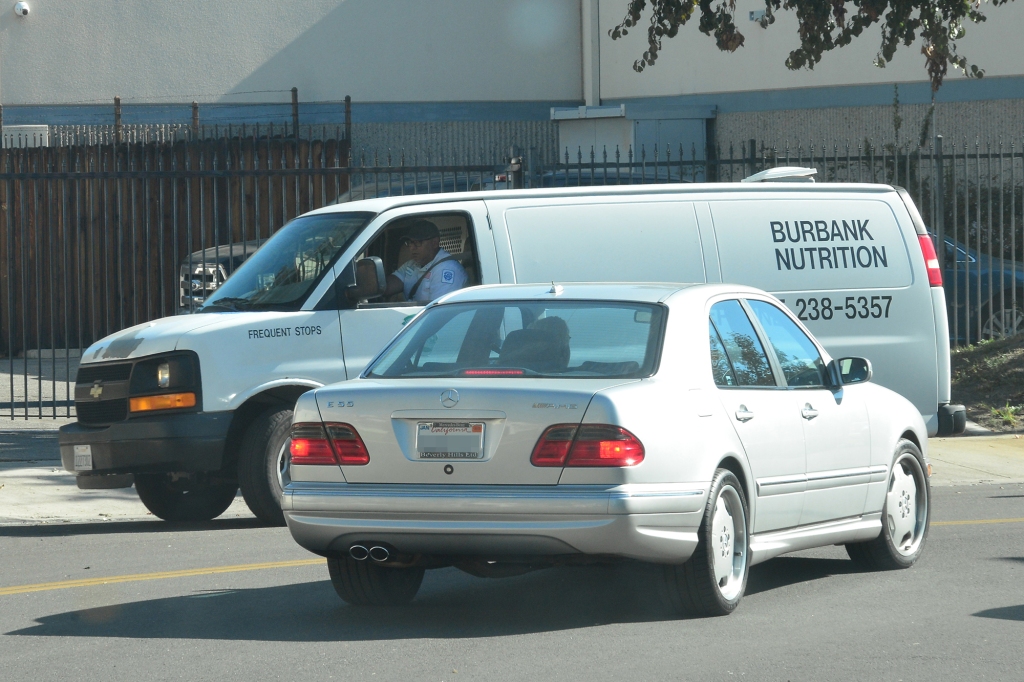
<point>98,237</point>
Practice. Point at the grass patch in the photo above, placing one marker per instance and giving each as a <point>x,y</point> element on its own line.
<point>988,378</point>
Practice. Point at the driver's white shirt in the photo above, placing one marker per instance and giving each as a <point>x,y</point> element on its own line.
<point>445,278</point>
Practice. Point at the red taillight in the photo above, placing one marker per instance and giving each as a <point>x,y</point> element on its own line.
<point>931,261</point>
<point>318,444</point>
<point>602,445</point>
<point>589,445</point>
<point>492,372</point>
<point>347,444</point>
<point>310,445</point>
<point>553,446</point>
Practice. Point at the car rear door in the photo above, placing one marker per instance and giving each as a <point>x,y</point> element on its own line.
<point>765,415</point>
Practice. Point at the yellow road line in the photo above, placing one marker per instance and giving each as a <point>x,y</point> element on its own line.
<point>977,521</point>
<point>65,584</point>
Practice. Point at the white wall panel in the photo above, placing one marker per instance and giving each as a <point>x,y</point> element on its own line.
<point>78,51</point>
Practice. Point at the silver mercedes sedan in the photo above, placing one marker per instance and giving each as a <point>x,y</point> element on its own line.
<point>510,428</point>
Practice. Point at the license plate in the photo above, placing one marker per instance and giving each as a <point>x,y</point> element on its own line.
<point>83,458</point>
<point>450,440</point>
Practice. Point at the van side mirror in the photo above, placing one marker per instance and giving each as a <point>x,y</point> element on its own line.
<point>854,370</point>
<point>371,281</point>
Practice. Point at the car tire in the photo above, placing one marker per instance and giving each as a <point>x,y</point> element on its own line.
<point>712,582</point>
<point>364,583</point>
<point>906,515</point>
<point>998,323</point>
<point>263,463</point>
<point>194,499</point>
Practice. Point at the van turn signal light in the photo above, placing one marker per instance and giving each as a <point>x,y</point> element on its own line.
<point>168,401</point>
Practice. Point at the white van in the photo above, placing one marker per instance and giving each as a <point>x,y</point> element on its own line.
<point>193,407</point>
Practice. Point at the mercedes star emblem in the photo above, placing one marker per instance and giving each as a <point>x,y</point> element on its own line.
<point>450,398</point>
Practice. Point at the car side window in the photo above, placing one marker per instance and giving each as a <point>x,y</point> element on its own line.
<point>799,357</point>
<point>721,369</point>
<point>742,347</point>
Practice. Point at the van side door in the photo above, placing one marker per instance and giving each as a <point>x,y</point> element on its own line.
<point>598,238</point>
<point>368,324</point>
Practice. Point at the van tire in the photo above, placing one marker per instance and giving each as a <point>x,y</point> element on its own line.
<point>364,583</point>
<point>259,455</point>
<point>882,553</point>
<point>187,500</point>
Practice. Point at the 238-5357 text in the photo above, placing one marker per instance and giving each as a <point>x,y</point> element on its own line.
<point>852,307</point>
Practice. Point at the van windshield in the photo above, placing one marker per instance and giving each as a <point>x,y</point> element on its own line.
<point>527,339</point>
<point>286,268</point>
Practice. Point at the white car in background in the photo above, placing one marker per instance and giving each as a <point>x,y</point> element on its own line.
<point>509,428</point>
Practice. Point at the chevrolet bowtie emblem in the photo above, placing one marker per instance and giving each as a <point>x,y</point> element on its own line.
<point>97,390</point>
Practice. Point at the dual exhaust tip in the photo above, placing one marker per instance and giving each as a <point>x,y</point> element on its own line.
<point>374,553</point>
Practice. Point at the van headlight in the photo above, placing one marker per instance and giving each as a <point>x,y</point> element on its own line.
<point>168,382</point>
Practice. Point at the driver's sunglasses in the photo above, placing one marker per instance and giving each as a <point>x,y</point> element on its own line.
<point>415,242</point>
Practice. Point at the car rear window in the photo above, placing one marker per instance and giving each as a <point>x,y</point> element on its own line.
<point>527,339</point>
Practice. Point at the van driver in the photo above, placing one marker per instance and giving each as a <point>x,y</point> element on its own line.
<point>431,272</point>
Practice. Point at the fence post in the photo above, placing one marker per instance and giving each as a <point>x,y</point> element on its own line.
<point>195,120</point>
<point>940,212</point>
<point>117,119</point>
<point>348,119</point>
<point>295,112</point>
<point>752,146</point>
<point>1,126</point>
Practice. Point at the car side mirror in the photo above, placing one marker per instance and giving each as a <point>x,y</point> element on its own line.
<point>854,370</point>
<point>371,281</point>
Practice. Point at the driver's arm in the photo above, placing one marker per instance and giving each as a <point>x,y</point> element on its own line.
<point>394,286</point>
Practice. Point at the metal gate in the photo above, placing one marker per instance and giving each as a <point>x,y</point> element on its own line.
<point>98,237</point>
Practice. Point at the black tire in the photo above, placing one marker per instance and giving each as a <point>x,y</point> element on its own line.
<point>193,499</point>
<point>997,316</point>
<point>364,583</point>
<point>259,454</point>
<point>886,552</point>
<point>693,587</point>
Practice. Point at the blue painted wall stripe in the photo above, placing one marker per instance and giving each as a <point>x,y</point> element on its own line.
<point>958,90</point>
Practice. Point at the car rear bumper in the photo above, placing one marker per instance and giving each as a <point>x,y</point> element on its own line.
<point>646,522</point>
<point>184,442</point>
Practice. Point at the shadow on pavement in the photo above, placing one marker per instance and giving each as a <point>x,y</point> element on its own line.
<point>1003,613</point>
<point>789,570</point>
<point>450,604</point>
<point>29,445</point>
<point>116,527</point>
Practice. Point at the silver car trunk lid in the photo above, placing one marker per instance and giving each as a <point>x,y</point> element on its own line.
<point>493,423</point>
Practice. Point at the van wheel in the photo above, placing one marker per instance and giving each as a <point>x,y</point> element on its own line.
<point>906,515</point>
<point>712,582</point>
<point>188,499</point>
<point>364,583</point>
<point>263,460</point>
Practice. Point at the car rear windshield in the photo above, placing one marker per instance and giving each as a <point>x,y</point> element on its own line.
<point>527,339</point>
<point>289,265</point>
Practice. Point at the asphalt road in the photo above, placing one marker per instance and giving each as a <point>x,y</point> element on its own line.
<point>958,614</point>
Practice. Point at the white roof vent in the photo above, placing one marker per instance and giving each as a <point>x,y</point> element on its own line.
<point>784,174</point>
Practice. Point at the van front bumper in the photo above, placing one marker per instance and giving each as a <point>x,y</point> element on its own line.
<point>646,522</point>
<point>183,442</point>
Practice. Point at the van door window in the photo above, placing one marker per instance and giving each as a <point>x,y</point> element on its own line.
<point>798,356</point>
<point>742,347</point>
<point>400,247</point>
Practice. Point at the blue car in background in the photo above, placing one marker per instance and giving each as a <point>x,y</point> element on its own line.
<point>970,278</point>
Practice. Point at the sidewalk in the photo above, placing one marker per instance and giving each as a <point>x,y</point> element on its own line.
<point>35,489</point>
